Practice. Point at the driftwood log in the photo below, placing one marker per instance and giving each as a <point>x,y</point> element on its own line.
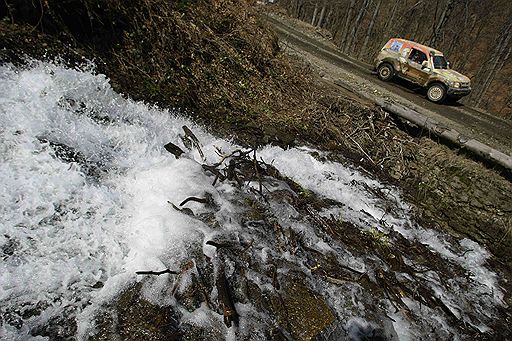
<point>452,136</point>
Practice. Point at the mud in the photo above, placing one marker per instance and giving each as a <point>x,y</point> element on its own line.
<point>303,40</point>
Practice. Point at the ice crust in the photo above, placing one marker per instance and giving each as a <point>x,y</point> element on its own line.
<point>65,227</point>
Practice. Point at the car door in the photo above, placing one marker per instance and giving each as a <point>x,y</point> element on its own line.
<point>414,70</point>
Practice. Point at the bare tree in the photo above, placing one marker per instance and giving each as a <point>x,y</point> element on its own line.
<point>501,55</point>
<point>391,18</point>
<point>322,14</point>
<point>350,45</point>
<point>369,31</point>
<point>313,20</point>
<point>445,15</point>
<point>347,24</point>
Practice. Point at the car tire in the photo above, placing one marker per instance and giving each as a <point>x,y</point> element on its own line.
<point>385,72</point>
<point>436,92</point>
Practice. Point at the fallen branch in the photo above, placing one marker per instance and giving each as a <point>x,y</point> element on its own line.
<point>226,301</point>
<point>195,199</point>
<point>174,150</point>
<point>194,140</point>
<point>157,273</point>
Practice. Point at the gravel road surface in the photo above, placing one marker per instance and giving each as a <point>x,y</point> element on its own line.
<point>333,65</point>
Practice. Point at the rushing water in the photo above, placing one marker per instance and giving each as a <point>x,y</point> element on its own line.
<point>84,203</point>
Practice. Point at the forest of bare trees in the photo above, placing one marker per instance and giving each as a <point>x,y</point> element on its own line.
<point>475,35</point>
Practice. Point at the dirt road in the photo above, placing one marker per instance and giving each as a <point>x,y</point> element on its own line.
<point>334,65</point>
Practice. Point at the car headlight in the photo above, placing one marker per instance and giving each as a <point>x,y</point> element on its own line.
<point>454,84</point>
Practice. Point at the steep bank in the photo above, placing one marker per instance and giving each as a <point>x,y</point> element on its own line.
<point>243,244</point>
<point>214,59</point>
<point>214,70</point>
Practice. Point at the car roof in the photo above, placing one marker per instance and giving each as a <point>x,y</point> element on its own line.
<point>424,48</point>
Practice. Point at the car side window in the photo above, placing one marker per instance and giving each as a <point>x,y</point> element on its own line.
<point>417,56</point>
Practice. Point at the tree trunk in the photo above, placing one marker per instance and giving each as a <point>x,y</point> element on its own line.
<point>369,31</point>
<point>296,8</point>
<point>500,54</point>
<point>389,23</point>
<point>438,30</point>
<point>314,14</point>
<point>473,39</point>
<point>327,19</point>
<point>497,66</point>
<point>347,24</point>
<point>462,29</point>
<point>474,147</point>
<point>321,18</point>
<point>355,27</point>
<point>415,31</point>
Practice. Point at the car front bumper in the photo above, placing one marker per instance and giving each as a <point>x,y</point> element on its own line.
<point>458,91</point>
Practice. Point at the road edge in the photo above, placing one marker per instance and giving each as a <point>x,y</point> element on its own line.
<point>451,137</point>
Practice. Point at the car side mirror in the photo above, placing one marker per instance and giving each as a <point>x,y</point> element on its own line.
<point>424,65</point>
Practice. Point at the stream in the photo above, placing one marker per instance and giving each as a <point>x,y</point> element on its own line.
<point>90,196</point>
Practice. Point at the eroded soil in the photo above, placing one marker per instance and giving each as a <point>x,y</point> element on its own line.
<point>448,192</point>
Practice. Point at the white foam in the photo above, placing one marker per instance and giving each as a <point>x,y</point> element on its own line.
<point>65,229</point>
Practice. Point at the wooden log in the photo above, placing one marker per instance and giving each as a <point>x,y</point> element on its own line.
<point>431,126</point>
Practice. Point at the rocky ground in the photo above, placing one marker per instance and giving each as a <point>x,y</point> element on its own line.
<point>283,100</point>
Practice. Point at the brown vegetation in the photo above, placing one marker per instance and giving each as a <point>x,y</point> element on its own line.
<point>475,35</point>
<point>217,60</point>
<point>214,59</point>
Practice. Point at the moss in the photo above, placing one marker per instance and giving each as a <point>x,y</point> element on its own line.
<point>307,313</point>
<point>131,317</point>
<point>380,238</point>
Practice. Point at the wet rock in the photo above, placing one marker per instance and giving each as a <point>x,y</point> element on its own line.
<point>202,324</point>
<point>12,319</point>
<point>174,149</point>
<point>69,154</point>
<point>307,312</point>
<point>33,310</point>
<point>9,247</point>
<point>362,331</point>
<point>98,285</point>
<point>58,327</point>
<point>209,218</point>
<point>131,317</point>
<point>191,296</point>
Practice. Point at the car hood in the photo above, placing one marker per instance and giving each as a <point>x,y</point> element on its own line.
<point>453,76</point>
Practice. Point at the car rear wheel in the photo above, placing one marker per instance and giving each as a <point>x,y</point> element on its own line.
<point>385,71</point>
<point>436,93</point>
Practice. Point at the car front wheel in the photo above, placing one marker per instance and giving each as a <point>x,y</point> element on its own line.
<point>436,93</point>
<point>385,71</point>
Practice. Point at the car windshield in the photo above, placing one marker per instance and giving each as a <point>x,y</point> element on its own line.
<point>440,62</point>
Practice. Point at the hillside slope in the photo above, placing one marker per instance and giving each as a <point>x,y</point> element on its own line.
<point>216,62</point>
